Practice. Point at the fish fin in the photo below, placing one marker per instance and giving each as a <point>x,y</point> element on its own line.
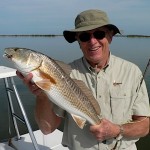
<point>79,120</point>
<point>44,84</point>
<point>89,94</point>
<point>43,80</point>
<point>46,76</point>
<point>66,68</point>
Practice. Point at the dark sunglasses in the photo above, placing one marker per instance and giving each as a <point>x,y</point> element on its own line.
<point>85,36</point>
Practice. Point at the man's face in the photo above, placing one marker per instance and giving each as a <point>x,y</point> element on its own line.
<point>95,45</point>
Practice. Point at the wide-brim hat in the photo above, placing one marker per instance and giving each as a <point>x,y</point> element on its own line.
<point>89,20</point>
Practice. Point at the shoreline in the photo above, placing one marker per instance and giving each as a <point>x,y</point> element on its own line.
<point>29,35</point>
<point>53,35</point>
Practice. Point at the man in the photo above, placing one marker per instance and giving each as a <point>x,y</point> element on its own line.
<point>115,83</point>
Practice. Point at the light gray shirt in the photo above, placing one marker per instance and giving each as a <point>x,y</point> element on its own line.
<point>116,88</point>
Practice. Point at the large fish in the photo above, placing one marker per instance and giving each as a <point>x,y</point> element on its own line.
<point>53,77</point>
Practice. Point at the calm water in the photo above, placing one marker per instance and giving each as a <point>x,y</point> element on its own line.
<point>132,49</point>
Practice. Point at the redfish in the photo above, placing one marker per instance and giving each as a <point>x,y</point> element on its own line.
<point>53,77</point>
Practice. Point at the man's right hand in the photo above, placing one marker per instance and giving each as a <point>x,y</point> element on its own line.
<point>27,81</point>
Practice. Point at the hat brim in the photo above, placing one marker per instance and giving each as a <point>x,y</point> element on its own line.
<point>70,34</point>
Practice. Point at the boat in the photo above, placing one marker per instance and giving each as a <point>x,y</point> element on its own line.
<point>31,140</point>
<point>44,142</point>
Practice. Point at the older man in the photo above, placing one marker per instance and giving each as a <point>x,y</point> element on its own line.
<point>115,83</point>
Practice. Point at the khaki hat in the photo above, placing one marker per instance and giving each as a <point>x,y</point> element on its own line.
<point>88,20</point>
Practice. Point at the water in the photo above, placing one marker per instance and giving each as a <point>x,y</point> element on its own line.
<point>132,49</point>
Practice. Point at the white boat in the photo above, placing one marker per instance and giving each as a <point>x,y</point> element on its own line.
<point>33,140</point>
<point>44,142</point>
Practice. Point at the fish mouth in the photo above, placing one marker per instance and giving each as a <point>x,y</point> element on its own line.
<point>8,56</point>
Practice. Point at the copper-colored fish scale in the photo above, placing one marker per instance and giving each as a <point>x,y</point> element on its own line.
<point>73,92</point>
<point>70,90</point>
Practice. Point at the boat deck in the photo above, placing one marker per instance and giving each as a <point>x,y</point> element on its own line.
<point>45,142</point>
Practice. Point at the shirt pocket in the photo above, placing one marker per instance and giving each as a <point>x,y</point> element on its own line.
<point>121,105</point>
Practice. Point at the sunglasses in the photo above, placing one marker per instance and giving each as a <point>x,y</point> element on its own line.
<point>85,36</point>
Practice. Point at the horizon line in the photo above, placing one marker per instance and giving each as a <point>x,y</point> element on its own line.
<point>52,35</point>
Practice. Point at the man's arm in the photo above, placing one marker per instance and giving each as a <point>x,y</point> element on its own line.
<point>139,127</point>
<point>107,130</point>
<point>46,119</point>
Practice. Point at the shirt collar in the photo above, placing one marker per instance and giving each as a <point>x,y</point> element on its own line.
<point>90,68</point>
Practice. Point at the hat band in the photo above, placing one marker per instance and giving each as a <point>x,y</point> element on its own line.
<point>90,23</point>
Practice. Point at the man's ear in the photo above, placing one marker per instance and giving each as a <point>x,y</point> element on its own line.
<point>78,41</point>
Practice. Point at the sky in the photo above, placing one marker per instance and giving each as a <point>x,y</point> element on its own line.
<point>55,16</point>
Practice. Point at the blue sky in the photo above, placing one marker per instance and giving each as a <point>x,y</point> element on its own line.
<point>54,16</point>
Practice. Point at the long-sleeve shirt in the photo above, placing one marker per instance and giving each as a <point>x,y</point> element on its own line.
<point>117,89</point>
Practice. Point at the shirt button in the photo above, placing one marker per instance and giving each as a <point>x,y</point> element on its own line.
<point>99,96</point>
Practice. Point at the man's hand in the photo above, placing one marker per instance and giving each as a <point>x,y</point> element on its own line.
<point>105,130</point>
<point>27,81</point>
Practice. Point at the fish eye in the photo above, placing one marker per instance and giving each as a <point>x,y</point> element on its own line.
<point>15,49</point>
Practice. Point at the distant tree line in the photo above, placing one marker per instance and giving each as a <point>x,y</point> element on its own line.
<point>33,35</point>
<point>53,35</point>
<point>134,36</point>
